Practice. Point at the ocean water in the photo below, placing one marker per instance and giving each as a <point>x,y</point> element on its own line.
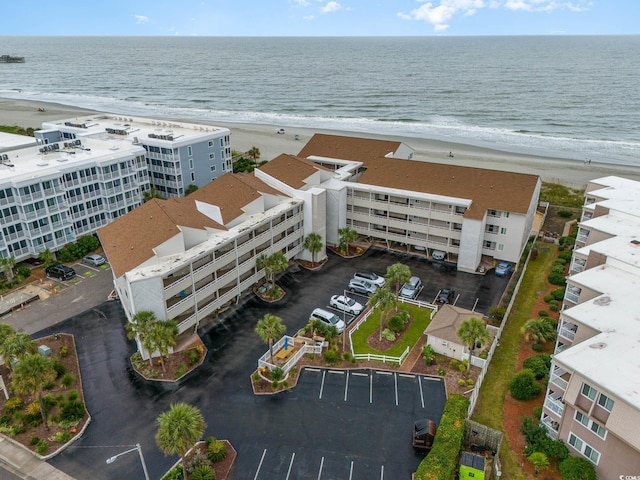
<point>562,96</point>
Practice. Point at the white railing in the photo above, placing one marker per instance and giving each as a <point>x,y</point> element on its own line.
<point>555,406</point>
<point>568,334</point>
<point>550,430</point>
<point>382,358</point>
<point>263,361</point>
<point>558,382</point>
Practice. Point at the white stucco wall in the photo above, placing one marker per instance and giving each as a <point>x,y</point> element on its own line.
<point>470,244</point>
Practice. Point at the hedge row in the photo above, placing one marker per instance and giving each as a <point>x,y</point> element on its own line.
<point>442,461</point>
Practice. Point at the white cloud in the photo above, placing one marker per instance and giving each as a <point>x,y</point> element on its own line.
<point>141,18</point>
<point>330,7</point>
<point>301,3</point>
<point>308,17</point>
<point>439,13</point>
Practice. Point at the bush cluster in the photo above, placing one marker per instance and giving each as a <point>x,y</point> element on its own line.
<point>441,462</point>
<point>523,385</point>
<point>577,468</point>
<point>556,275</point>
<point>216,449</point>
<point>538,364</point>
<point>73,251</point>
<point>538,440</point>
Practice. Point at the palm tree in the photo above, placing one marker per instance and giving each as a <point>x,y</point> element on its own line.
<point>383,299</point>
<point>347,235</point>
<point>254,152</point>
<point>270,328</point>
<point>179,429</point>
<point>190,189</point>
<point>313,243</point>
<point>539,461</point>
<point>16,346</point>
<point>272,264</point>
<point>8,264</point>
<point>30,375</point>
<point>139,327</point>
<point>5,331</point>
<point>472,331</point>
<point>398,274</point>
<point>151,194</point>
<point>539,330</point>
<point>163,335</point>
<point>47,257</point>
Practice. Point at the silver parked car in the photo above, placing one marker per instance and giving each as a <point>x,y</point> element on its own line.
<point>94,260</point>
<point>412,288</point>
<point>361,286</point>
<point>377,280</point>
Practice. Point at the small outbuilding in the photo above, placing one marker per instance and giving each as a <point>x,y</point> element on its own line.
<point>442,331</point>
<point>471,466</point>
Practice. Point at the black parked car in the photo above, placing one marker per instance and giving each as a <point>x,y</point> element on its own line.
<point>61,272</point>
<point>446,295</point>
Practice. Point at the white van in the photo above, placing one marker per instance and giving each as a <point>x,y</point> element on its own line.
<point>330,319</point>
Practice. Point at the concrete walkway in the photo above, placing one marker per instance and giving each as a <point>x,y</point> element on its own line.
<point>25,465</point>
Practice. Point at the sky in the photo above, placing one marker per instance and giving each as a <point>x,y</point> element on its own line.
<point>320,17</point>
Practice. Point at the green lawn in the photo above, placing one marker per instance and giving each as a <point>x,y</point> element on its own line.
<point>490,406</point>
<point>421,318</point>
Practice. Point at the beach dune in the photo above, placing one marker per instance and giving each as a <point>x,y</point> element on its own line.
<point>576,174</point>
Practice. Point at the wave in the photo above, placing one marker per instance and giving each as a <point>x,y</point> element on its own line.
<point>436,127</point>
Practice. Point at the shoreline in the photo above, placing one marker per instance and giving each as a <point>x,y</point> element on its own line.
<point>571,173</point>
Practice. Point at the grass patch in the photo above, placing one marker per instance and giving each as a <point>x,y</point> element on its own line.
<point>74,280</point>
<point>420,320</point>
<point>104,266</point>
<point>561,196</point>
<point>490,406</point>
<point>88,273</point>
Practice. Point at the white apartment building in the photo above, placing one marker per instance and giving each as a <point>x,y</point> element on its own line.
<point>184,259</point>
<point>178,154</point>
<point>592,401</point>
<point>51,195</point>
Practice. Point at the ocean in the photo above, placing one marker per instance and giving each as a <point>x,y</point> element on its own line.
<point>574,97</point>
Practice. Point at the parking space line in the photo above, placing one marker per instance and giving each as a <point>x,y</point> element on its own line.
<point>351,471</point>
<point>320,471</point>
<point>395,381</point>
<point>260,464</point>
<point>346,387</point>
<point>360,374</point>
<point>311,369</point>
<point>406,375</point>
<point>324,373</point>
<point>421,392</point>
<point>371,389</point>
<point>336,372</point>
<point>381,472</point>
<point>293,456</point>
<point>432,379</point>
<point>384,373</point>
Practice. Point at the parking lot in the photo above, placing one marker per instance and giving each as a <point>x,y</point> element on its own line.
<point>334,424</point>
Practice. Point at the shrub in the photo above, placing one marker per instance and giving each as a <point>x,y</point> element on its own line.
<point>548,298</point>
<point>72,396</point>
<point>462,382</point>
<point>556,276</point>
<point>12,405</point>
<point>181,370</point>
<point>61,437</point>
<point>454,363</point>
<point>33,408</point>
<point>538,440</point>
<point>23,272</point>
<point>331,356</point>
<point>470,382</point>
<point>72,411</point>
<point>428,354</point>
<point>558,294</point>
<point>442,460</point>
<point>67,380</point>
<point>346,356</point>
<point>442,372</point>
<point>193,355</point>
<point>543,313</point>
<point>565,214</point>
<point>49,401</point>
<point>34,441</point>
<point>553,306</point>
<point>41,447</point>
<point>537,412</point>
<point>497,312</point>
<point>203,472</point>
<point>59,368</point>
<point>537,347</point>
<point>64,351</point>
<point>396,323</point>
<point>174,474</point>
<point>216,449</point>
<point>577,468</point>
<point>566,255</point>
<point>560,261</point>
<point>534,253</point>
<point>48,386</point>
<point>539,365</point>
<point>388,334</point>
<point>523,385</point>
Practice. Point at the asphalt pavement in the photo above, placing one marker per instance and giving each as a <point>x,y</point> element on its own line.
<point>333,425</point>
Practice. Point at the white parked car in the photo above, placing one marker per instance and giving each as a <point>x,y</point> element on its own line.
<point>347,304</point>
<point>377,280</point>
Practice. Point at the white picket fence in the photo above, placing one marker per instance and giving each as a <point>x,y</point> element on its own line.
<point>263,361</point>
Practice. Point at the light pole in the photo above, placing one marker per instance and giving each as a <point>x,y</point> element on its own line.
<point>139,449</point>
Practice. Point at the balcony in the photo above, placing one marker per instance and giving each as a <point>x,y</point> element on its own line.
<point>568,331</point>
<point>559,378</point>
<point>551,426</point>
<point>553,402</point>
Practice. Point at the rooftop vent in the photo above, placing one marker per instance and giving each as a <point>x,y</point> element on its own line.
<point>42,164</point>
<point>598,345</point>
<point>603,301</point>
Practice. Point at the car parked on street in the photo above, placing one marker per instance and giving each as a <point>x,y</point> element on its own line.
<point>412,288</point>
<point>329,319</point>
<point>61,272</point>
<point>363,287</point>
<point>446,295</point>
<point>377,280</point>
<point>347,304</point>
<point>503,269</point>
<point>94,260</point>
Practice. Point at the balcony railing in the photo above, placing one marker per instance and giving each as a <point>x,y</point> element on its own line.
<point>556,406</point>
<point>567,333</point>
<point>555,379</point>
<point>548,424</point>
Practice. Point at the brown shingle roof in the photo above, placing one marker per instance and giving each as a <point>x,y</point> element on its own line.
<point>446,322</point>
<point>252,181</point>
<point>347,148</point>
<point>291,170</point>
<point>487,189</point>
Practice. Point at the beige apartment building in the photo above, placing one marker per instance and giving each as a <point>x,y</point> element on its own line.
<point>593,401</point>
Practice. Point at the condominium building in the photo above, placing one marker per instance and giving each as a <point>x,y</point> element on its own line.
<point>475,216</point>
<point>50,195</point>
<point>592,401</point>
<point>178,154</point>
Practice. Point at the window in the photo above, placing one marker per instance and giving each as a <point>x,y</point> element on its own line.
<point>213,168</point>
<point>503,231</point>
<point>189,150</point>
<point>493,213</point>
<point>584,449</point>
<point>191,163</point>
<point>590,424</point>
<point>193,177</point>
<point>506,214</point>
<point>223,169</point>
<point>588,391</point>
<point>500,247</point>
<point>211,143</point>
<point>605,402</point>
<point>212,156</point>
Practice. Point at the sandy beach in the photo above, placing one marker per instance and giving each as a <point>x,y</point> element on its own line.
<point>572,173</point>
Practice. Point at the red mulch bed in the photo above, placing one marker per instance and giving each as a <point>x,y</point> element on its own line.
<point>173,363</point>
<point>70,362</point>
<point>514,410</point>
<point>222,468</point>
